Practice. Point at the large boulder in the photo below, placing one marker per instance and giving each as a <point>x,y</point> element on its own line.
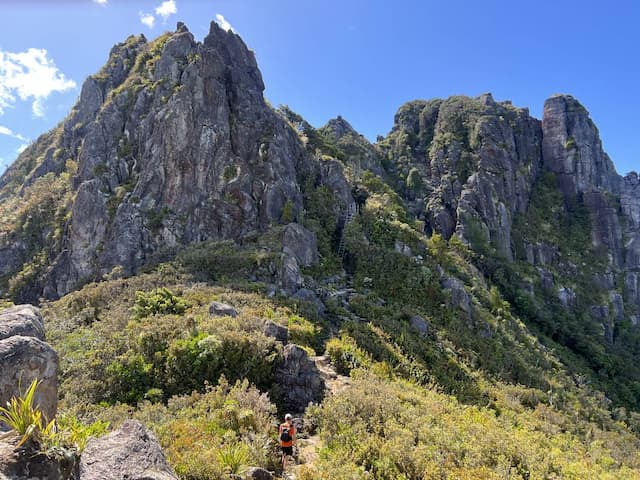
<point>132,452</point>
<point>22,320</point>
<point>277,331</point>
<point>459,296</point>
<point>219,309</point>
<point>29,463</point>
<point>256,473</point>
<point>301,244</point>
<point>299,380</point>
<point>25,356</point>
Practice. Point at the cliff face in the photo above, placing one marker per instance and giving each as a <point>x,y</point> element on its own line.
<point>526,192</point>
<point>171,143</point>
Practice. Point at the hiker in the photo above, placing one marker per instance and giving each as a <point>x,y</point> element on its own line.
<point>286,436</point>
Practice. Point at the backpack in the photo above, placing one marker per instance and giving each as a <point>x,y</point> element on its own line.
<point>284,435</point>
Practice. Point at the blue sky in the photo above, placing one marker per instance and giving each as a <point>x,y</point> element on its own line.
<point>357,58</point>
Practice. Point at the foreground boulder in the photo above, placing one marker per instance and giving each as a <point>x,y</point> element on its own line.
<point>22,320</point>
<point>131,452</point>
<point>30,463</point>
<point>256,473</point>
<point>25,356</point>
<point>219,309</point>
<point>299,380</point>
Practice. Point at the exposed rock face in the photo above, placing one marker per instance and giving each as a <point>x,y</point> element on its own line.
<point>130,452</point>
<point>25,356</point>
<point>24,320</point>
<point>301,244</point>
<point>219,309</point>
<point>279,332</point>
<point>572,148</point>
<point>298,379</point>
<point>181,148</point>
<point>420,325</point>
<point>30,463</point>
<point>478,160</point>
<point>358,151</point>
<point>255,473</point>
<point>459,296</point>
<point>299,249</point>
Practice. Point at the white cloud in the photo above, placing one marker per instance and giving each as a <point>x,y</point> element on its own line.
<point>147,19</point>
<point>22,148</point>
<point>224,24</point>
<point>10,133</point>
<point>167,8</point>
<point>30,75</point>
<point>101,2</point>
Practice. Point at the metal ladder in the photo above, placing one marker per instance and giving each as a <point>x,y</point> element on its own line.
<point>348,218</point>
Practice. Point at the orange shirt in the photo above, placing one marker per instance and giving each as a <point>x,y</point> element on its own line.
<point>292,433</point>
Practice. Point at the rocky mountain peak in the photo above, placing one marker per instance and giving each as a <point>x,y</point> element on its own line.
<point>572,148</point>
<point>338,127</point>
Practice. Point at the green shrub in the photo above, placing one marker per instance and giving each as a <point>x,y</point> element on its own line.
<point>346,355</point>
<point>288,212</point>
<point>160,300</point>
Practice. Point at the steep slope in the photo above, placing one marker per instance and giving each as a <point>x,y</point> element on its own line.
<point>550,221</point>
<point>171,143</point>
<point>475,273</point>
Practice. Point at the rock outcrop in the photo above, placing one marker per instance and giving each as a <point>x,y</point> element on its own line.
<point>30,463</point>
<point>170,143</point>
<point>131,451</point>
<point>25,356</point>
<point>299,380</point>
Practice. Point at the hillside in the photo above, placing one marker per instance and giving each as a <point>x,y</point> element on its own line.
<point>475,274</point>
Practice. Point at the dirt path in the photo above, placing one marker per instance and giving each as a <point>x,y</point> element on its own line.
<point>335,383</point>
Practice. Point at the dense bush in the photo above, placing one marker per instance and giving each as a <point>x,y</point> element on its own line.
<point>395,430</point>
<point>161,300</point>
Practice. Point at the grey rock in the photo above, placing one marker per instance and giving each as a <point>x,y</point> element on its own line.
<point>277,331</point>
<point>24,320</point>
<point>219,309</point>
<point>546,279</point>
<point>567,297</point>
<point>299,380</point>
<point>617,305</point>
<point>360,155</point>
<point>601,314</point>
<point>301,244</point>
<point>420,325</point>
<point>23,359</point>
<point>541,254</point>
<point>30,463</point>
<point>572,149</point>
<point>290,276</point>
<point>402,248</point>
<point>307,295</point>
<point>130,452</point>
<point>257,473</point>
<point>459,296</point>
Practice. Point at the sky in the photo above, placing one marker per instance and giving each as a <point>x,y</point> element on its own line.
<point>361,59</point>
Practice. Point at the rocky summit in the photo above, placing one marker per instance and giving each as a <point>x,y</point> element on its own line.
<point>441,303</point>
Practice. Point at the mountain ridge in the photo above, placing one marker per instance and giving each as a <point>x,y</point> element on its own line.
<point>478,269</point>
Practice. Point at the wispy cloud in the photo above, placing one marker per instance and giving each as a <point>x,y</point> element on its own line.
<point>166,9</point>
<point>224,24</point>
<point>10,133</point>
<point>147,19</point>
<point>101,2</point>
<point>30,75</point>
<point>22,148</point>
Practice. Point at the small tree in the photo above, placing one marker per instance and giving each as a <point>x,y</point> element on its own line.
<point>288,212</point>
